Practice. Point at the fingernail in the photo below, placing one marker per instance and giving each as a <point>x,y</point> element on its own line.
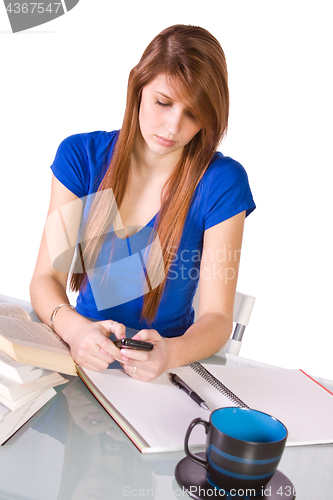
<point>102,351</point>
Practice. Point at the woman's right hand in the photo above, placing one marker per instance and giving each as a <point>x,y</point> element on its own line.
<point>90,346</point>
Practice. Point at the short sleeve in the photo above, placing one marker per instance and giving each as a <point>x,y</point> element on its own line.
<point>71,166</point>
<point>228,193</point>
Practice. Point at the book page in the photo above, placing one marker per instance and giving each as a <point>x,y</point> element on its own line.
<point>12,390</point>
<point>19,372</point>
<point>7,361</point>
<point>7,364</point>
<point>13,311</point>
<point>22,332</point>
<point>12,421</point>
<point>3,411</point>
<point>158,410</point>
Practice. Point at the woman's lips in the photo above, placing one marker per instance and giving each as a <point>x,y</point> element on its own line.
<point>165,142</point>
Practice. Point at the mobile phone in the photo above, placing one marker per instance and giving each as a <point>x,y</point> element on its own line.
<point>134,344</point>
<point>110,446</point>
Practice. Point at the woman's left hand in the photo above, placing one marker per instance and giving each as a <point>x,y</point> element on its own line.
<point>147,365</point>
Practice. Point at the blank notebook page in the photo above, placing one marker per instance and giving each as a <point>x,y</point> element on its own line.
<point>304,406</point>
<point>161,413</point>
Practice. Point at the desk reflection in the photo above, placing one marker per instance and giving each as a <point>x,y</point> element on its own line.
<point>73,450</point>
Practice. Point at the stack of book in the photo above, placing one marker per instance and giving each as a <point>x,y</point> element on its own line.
<point>30,356</point>
<point>24,389</point>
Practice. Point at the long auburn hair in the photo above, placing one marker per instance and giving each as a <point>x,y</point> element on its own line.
<point>194,63</point>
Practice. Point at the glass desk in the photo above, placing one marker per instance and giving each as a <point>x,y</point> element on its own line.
<point>72,449</point>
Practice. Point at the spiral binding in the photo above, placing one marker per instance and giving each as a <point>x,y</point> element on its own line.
<point>209,377</point>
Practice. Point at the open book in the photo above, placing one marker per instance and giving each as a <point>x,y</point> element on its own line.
<point>32,343</point>
<point>156,415</point>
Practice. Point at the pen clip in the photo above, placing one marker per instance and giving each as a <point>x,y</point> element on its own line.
<point>172,377</point>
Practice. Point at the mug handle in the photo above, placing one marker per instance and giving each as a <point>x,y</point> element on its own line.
<point>190,455</point>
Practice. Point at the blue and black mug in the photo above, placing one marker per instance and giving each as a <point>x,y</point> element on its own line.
<point>243,448</point>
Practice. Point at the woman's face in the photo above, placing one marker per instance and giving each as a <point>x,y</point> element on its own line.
<point>166,124</point>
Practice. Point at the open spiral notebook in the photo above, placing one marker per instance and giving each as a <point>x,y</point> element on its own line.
<point>156,415</point>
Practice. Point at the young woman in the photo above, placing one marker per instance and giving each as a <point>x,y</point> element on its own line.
<point>168,213</point>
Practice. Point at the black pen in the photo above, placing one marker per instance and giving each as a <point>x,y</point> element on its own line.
<point>178,382</point>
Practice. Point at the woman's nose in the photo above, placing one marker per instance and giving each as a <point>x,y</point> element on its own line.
<point>173,122</point>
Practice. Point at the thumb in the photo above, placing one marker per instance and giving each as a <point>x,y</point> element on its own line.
<point>147,335</point>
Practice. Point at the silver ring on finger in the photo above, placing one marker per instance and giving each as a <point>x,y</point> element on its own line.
<point>134,370</point>
<point>110,325</point>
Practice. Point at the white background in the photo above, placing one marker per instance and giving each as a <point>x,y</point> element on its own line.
<point>70,76</point>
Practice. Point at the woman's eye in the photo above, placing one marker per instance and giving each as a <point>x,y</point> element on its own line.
<point>164,104</point>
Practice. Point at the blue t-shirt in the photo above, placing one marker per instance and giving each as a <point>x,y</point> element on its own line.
<point>80,164</point>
